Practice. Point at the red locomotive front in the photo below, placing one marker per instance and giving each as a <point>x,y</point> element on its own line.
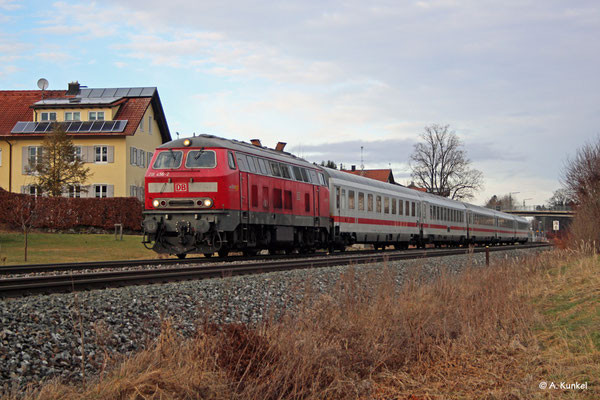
<point>207,194</point>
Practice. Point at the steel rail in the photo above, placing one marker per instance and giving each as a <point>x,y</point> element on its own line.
<point>12,287</point>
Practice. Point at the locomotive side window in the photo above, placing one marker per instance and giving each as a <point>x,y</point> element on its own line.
<point>168,159</point>
<point>251,166</point>
<point>285,171</point>
<point>263,166</point>
<point>378,204</point>
<point>242,162</point>
<point>361,201</point>
<point>231,160</point>
<point>297,173</point>
<point>386,205</point>
<point>275,169</point>
<point>370,202</point>
<point>277,201</point>
<point>321,179</point>
<point>287,199</point>
<point>351,199</point>
<point>254,195</point>
<point>201,159</point>
<point>304,175</point>
<point>265,197</point>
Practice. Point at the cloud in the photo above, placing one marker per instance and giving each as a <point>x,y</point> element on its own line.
<point>10,5</point>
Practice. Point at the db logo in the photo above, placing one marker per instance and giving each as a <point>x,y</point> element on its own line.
<point>181,187</point>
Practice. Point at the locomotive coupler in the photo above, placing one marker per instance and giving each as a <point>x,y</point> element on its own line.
<point>182,228</point>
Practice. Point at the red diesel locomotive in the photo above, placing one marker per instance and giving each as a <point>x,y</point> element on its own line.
<point>207,194</point>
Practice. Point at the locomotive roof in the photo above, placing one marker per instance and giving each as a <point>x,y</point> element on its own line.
<point>236,145</point>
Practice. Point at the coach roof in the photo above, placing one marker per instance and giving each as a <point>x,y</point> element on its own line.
<point>236,145</point>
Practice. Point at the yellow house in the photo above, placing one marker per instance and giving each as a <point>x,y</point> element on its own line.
<point>115,132</point>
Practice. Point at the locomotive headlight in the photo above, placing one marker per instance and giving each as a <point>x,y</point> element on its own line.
<point>208,203</point>
<point>187,142</point>
<point>155,203</point>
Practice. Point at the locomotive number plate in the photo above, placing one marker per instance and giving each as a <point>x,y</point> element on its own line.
<point>181,187</point>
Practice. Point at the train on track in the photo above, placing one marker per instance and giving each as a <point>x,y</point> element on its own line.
<point>206,195</point>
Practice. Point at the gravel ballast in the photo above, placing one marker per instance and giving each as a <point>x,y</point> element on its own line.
<point>40,336</point>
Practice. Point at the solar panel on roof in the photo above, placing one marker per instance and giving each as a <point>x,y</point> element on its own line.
<point>120,127</point>
<point>122,92</point>
<point>74,127</point>
<point>135,92</point>
<point>96,93</point>
<point>18,128</point>
<point>85,126</point>
<point>97,126</point>
<point>149,91</point>
<point>109,92</point>
<point>41,127</point>
<point>109,125</point>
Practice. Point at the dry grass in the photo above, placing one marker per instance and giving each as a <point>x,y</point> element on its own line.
<point>487,333</point>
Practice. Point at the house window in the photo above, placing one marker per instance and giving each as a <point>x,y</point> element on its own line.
<point>48,116</point>
<point>77,153</point>
<point>96,115</point>
<point>133,191</point>
<point>150,124</point>
<point>142,159</point>
<point>73,116</point>
<point>101,154</point>
<point>74,191</point>
<point>142,124</point>
<point>101,190</point>
<point>34,190</point>
<point>35,156</point>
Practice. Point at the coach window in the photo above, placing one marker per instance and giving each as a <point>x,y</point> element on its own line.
<point>344,204</point>
<point>285,171</point>
<point>337,197</point>
<point>370,202</point>
<point>412,210</point>
<point>231,160</point>
<point>361,201</point>
<point>407,208</point>
<point>386,205</point>
<point>351,199</point>
<point>393,206</point>
<point>378,204</point>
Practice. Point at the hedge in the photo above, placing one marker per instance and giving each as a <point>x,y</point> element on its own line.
<point>68,213</point>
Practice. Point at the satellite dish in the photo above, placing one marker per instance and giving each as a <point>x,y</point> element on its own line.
<point>42,83</point>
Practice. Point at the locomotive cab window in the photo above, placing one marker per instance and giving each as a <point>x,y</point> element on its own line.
<point>169,159</point>
<point>231,160</point>
<point>201,159</point>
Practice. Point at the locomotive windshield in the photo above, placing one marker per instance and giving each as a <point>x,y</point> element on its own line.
<point>201,159</point>
<point>168,159</point>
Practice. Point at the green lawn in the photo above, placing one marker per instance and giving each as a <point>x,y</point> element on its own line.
<point>65,247</point>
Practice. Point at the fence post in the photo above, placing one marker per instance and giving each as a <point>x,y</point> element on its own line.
<point>119,228</point>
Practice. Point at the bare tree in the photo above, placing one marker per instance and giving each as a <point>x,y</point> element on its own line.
<point>440,164</point>
<point>581,176</point>
<point>560,198</point>
<point>59,166</point>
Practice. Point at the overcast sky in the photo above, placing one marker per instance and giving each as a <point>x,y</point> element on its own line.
<point>517,80</point>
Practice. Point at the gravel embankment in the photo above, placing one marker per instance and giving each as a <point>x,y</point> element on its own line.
<point>40,336</point>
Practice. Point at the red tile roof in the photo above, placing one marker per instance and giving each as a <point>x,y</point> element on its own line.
<point>15,106</point>
<point>383,175</point>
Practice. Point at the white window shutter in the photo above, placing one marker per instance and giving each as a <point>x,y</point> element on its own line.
<point>111,154</point>
<point>110,190</point>
<point>25,163</point>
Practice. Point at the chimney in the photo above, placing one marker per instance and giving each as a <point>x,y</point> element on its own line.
<point>353,168</point>
<point>280,146</point>
<point>73,89</point>
<point>256,142</point>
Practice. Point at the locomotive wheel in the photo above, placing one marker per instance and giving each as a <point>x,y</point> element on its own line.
<point>208,255</point>
<point>181,256</point>
<point>223,253</point>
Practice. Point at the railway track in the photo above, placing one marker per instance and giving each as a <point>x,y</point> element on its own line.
<point>46,284</point>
